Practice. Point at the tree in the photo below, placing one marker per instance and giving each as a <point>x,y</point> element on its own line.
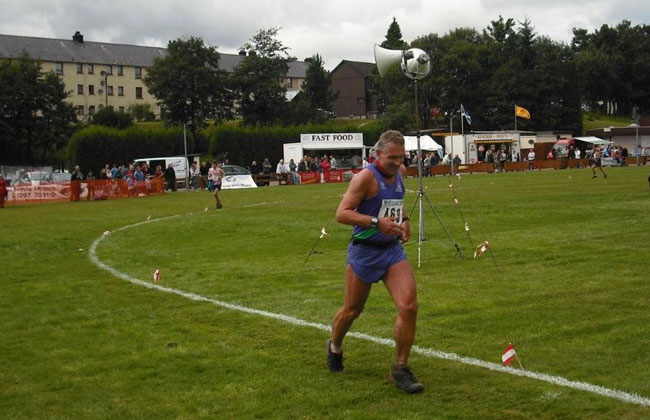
<point>394,39</point>
<point>35,121</point>
<point>141,112</point>
<point>109,118</point>
<point>261,94</point>
<point>314,102</point>
<point>189,84</point>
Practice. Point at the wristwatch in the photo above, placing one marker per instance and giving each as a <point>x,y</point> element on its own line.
<point>374,222</point>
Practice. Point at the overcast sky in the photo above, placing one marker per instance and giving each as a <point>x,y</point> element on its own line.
<point>336,29</point>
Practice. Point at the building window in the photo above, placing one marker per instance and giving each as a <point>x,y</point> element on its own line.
<point>91,89</point>
<point>91,110</point>
<point>110,107</point>
<point>59,68</point>
<point>288,81</point>
<point>109,90</point>
<point>138,93</point>
<point>109,69</point>
<point>120,91</point>
<point>138,72</point>
<point>80,89</point>
<point>80,109</point>
<point>80,69</point>
<point>91,70</point>
<point>121,109</point>
<point>120,70</point>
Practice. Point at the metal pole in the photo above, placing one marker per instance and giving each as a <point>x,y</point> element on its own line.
<point>462,130</point>
<point>187,183</point>
<point>421,236</point>
<point>451,133</point>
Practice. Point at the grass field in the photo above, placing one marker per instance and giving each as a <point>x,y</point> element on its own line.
<point>571,292</point>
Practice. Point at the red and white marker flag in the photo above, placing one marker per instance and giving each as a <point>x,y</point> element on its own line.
<point>508,355</point>
<point>481,248</point>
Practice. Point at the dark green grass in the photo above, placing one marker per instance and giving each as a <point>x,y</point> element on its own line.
<point>571,293</point>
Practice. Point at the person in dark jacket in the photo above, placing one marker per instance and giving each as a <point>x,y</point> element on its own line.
<point>170,177</point>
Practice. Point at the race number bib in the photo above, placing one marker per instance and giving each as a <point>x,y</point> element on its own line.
<point>392,208</point>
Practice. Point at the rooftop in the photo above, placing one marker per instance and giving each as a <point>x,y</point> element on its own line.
<point>104,53</point>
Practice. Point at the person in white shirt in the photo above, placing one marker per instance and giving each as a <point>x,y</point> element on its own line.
<point>332,162</point>
<point>194,176</point>
<point>531,160</point>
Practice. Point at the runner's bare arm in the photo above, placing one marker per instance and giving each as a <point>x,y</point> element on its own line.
<point>356,192</point>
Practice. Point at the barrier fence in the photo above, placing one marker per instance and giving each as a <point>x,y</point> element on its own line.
<point>98,189</point>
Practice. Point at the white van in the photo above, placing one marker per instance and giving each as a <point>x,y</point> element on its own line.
<point>179,164</point>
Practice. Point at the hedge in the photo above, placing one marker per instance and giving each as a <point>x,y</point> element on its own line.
<point>95,146</point>
<point>244,144</point>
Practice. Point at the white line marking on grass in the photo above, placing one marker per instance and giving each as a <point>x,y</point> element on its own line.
<point>263,203</point>
<point>552,379</point>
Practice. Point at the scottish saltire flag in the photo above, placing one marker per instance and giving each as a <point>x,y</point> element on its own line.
<point>465,114</point>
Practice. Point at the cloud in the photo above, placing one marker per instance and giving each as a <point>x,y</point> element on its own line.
<point>335,29</point>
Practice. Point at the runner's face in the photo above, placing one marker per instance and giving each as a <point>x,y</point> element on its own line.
<point>391,158</point>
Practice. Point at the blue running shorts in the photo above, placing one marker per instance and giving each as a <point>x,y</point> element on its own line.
<point>371,263</point>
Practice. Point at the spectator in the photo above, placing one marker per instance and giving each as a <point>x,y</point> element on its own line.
<point>159,171</point>
<point>364,163</point>
<point>266,166</point>
<point>325,164</point>
<point>427,165</point>
<point>302,167</point>
<point>457,162</point>
<point>114,171</point>
<point>123,170</point>
<point>194,176</point>
<point>170,177</point>
<point>295,179</point>
<point>3,190</point>
<point>314,166</point>
<point>75,184</point>
<point>502,161</point>
<point>333,162</point>
<point>204,175</point>
<point>90,185</point>
<point>254,169</point>
<point>531,159</point>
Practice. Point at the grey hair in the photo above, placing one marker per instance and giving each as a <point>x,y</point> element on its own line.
<point>390,136</point>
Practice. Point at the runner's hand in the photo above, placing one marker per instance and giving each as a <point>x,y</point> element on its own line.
<point>406,231</point>
<point>388,226</point>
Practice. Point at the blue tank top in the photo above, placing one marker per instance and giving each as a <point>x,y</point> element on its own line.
<point>389,200</point>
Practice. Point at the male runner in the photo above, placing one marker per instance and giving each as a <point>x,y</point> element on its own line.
<point>216,174</point>
<point>373,204</point>
<point>597,163</point>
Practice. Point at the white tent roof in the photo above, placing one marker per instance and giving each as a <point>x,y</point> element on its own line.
<point>593,140</point>
<point>426,143</point>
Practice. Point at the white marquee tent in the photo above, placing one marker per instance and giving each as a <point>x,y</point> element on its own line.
<point>426,143</point>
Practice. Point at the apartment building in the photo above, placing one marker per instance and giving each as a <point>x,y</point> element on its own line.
<point>100,74</point>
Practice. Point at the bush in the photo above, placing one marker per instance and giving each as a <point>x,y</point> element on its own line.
<point>245,143</point>
<point>95,146</point>
<point>109,118</point>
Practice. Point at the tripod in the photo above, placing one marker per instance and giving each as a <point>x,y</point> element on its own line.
<point>421,197</point>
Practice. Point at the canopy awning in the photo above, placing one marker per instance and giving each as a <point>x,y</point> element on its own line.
<point>593,140</point>
<point>563,142</point>
<point>426,143</point>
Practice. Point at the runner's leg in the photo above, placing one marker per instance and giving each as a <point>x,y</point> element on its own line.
<point>356,295</point>
<point>400,283</point>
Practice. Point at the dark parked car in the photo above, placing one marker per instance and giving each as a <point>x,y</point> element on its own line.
<point>235,170</point>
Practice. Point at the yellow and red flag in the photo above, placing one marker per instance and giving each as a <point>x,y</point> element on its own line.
<point>522,112</point>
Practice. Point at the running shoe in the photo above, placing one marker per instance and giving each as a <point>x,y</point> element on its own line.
<point>334,360</point>
<point>404,379</point>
